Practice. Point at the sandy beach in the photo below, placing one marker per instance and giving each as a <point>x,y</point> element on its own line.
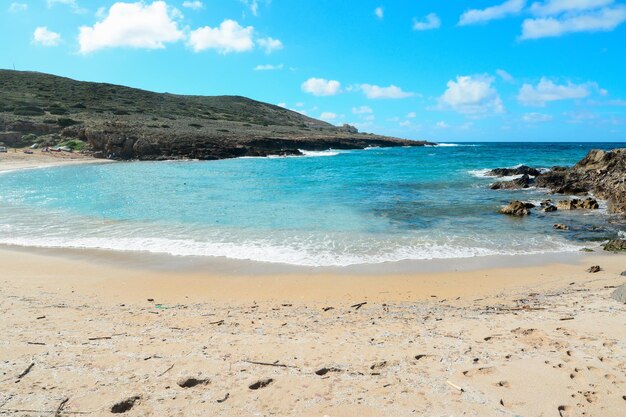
<point>16,159</point>
<point>81,337</point>
<point>97,333</point>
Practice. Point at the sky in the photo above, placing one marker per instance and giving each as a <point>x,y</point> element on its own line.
<point>447,71</point>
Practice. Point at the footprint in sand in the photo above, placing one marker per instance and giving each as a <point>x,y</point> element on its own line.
<point>590,396</point>
<point>503,384</point>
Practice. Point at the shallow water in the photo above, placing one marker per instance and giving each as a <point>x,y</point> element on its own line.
<point>326,208</point>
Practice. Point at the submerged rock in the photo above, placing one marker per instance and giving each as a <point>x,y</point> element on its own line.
<point>561,226</point>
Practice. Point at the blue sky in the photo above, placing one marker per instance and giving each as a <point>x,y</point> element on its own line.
<point>511,70</point>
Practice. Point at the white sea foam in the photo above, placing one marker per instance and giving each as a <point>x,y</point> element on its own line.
<point>265,252</point>
<point>329,152</point>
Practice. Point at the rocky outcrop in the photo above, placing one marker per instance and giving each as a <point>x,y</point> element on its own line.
<point>522,182</point>
<point>616,245</point>
<point>601,173</point>
<point>576,203</point>
<point>521,170</point>
<point>517,208</point>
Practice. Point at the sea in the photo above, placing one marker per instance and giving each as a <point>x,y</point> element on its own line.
<point>328,208</point>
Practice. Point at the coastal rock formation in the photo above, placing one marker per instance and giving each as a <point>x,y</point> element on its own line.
<point>561,226</point>
<point>601,173</point>
<point>517,208</point>
<point>522,182</point>
<point>616,245</point>
<point>575,203</point>
<point>521,170</point>
<point>122,123</point>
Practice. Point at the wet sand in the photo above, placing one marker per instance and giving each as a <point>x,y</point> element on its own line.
<point>81,336</point>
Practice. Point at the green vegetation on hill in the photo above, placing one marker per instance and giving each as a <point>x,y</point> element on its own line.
<point>124,123</point>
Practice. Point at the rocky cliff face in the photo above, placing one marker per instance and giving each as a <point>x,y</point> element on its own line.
<point>126,123</point>
<point>601,173</point>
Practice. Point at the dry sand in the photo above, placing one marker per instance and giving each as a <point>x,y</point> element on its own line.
<point>88,335</point>
<point>530,341</point>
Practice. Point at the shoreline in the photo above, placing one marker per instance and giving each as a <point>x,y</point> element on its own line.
<point>93,333</point>
<point>17,160</point>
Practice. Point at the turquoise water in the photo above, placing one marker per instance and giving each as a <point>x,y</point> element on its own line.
<point>325,208</point>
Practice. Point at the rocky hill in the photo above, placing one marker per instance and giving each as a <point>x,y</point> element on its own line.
<point>118,122</point>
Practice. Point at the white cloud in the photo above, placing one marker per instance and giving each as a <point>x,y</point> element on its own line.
<point>411,115</point>
<point>546,91</point>
<point>553,7</point>
<point>472,95</point>
<point>379,12</point>
<point>72,3</point>
<point>194,5</point>
<point>536,117</point>
<point>327,115</point>
<point>431,21</point>
<point>441,125</point>
<point>269,67</point>
<point>228,37</point>
<point>505,76</point>
<point>18,7</point>
<point>474,16</point>
<point>43,36</point>
<point>321,87</point>
<point>602,20</point>
<point>269,44</point>
<point>253,5</point>
<point>133,25</point>
<point>376,92</point>
<point>283,105</point>
<point>362,110</point>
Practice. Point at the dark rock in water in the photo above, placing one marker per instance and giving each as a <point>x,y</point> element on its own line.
<point>616,245</point>
<point>576,203</point>
<point>599,172</point>
<point>550,208</point>
<point>620,293</point>
<point>594,269</point>
<point>192,382</point>
<point>561,226</point>
<point>521,170</point>
<point>517,208</point>
<point>522,182</point>
<point>124,405</point>
<point>262,383</point>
